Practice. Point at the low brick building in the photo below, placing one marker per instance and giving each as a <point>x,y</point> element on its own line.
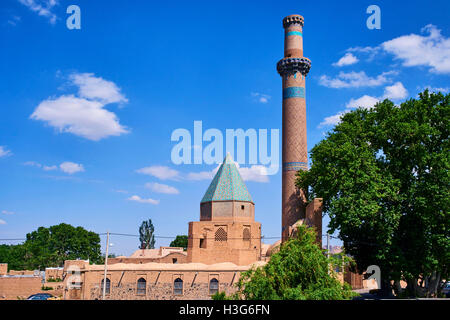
<point>155,281</point>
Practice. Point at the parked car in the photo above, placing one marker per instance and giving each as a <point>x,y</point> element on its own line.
<point>40,296</point>
<point>446,290</point>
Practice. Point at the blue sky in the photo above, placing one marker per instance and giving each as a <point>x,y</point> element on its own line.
<point>86,115</point>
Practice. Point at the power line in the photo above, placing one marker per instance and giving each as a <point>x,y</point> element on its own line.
<point>165,237</point>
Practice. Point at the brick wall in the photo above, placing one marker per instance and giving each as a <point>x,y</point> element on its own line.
<point>3,269</point>
<point>19,288</point>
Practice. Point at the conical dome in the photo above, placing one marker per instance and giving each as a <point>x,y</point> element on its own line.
<point>227,184</point>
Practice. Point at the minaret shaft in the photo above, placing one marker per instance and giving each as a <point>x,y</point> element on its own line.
<point>293,68</point>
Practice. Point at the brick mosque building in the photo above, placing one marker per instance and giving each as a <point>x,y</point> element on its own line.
<point>226,240</point>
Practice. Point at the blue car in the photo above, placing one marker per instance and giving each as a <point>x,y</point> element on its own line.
<point>40,296</point>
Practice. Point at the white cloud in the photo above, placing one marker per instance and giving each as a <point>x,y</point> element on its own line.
<point>71,167</point>
<point>42,8</point>
<point>49,168</point>
<point>4,152</point>
<point>14,20</point>
<point>346,60</point>
<point>7,212</point>
<point>256,173</point>
<point>65,167</point>
<point>395,92</point>
<point>432,51</point>
<point>139,199</point>
<point>84,116</point>
<point>2,221</point>
<point>97,88</point>
<point>332,120</point>
<point>162,188</point>
<point>365,102</point>
<point>437,89</point>
<point>32,164</point>
<point>79,116</point>
<point>355,80</point>
<point>261,97</point>
<point>161,172</point>
<point>202,175</point>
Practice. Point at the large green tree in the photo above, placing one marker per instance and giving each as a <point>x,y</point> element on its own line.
<point>383,174</point>
<point>180,241</point>
<point>146,236</point>
<point>298,271</point>
<point>50,247</point>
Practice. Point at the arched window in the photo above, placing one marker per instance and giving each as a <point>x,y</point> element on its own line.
<point>178,286</point>
<point>213,286</point>
<point>108,286</point>
<point>221,235</point>
<point>141,286</point>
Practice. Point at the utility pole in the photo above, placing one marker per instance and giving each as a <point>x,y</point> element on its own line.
<point>328,248</point>
<point>106,265</point>
<point>328,245</point>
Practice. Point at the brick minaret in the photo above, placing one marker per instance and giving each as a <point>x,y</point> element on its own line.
<point>293,68</point>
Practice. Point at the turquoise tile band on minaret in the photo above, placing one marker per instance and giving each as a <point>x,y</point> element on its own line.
<point>294,33</point>
<point>295,166</point>
<point>294,92</point>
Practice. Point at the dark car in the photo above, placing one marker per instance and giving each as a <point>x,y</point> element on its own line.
<point>446,290</point>
<point>40,296</point>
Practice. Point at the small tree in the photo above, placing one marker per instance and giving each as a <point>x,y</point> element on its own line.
<point>299,271</point>
<point>146,236</point>
<point>180,241</point>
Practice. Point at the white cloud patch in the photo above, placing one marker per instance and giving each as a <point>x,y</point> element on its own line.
<point>33,164</point>
<point>256,173</point>
<point>332,120</point>
<point>395,92</point>
<point>97,88</point>
<point>432,50</point>
<point>437,89</point>
<point>84,116</point>
<point>4,152</point>
<point>7,212</point>
<point>355,80</point>
<point>71,167</point>
<point>14,20</point>
<point>42,8</point>
<point>67,167</point>
<point>346,60</point>
<point>261,97</point>
<point>160,172</point>
<point>365,102</point>
<point>141,200</point>
<point>162,188</point>
<point>49,168</point>
<point>2,221</point>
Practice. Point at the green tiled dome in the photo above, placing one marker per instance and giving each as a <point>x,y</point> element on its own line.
<point>227,184</point>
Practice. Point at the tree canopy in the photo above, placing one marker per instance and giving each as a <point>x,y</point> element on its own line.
<point>298,271</point>
<point>146,235</point>
<point>50,247</point>
<point>180,241</point>
<point>383,174</point>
